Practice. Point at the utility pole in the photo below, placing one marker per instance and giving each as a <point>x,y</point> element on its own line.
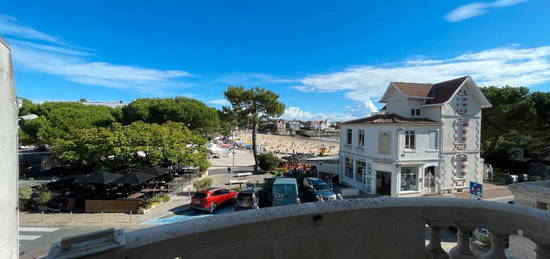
<point>319,137</point>
<point>230,169</point>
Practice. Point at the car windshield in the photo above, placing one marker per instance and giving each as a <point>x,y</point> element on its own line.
<point>321,186</point>
<point>199,195</point>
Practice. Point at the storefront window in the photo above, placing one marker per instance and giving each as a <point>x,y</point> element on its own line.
<point>360,171</point>
<point>409,179</point>
<point>349,167</point>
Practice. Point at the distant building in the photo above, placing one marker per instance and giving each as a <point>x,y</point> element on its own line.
<point>294,125</point>
<point>322,125</point>
<point>426,140</point>
<point>280,125</point>
<point>113,104</point>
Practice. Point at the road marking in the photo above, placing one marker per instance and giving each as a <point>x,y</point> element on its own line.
<point>28,237</point>
<point>37,229</point>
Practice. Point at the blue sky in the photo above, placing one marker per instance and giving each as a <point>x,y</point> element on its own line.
<point>331,59</point>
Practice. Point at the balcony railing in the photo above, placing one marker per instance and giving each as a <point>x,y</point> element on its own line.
<point>364,228</point>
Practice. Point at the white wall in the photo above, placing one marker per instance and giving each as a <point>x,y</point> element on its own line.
<point>9,244</point>
<point>421,151</point>
<point>397,103</point>
<point>431,112</point>
<point>474,166</point>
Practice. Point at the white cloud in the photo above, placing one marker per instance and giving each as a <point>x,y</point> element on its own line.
<point>221,102</point>
<point>500,66</point>
<point>252,79</point>
<point>475,9</point>
<point>10,26</point>
<point>295,113</point>
<point>76,65</point>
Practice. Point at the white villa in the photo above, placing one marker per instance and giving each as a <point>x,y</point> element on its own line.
<point>425,140</point>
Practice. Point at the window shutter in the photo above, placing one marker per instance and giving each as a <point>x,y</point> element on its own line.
<point>431,140</point>
<point>384,142</point>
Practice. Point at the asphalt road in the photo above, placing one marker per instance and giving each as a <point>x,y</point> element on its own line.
<point>37,240</point>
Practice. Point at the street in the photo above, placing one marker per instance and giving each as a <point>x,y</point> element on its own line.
<point>36,241</point>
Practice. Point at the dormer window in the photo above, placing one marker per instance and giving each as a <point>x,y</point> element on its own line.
<point>415,112</point>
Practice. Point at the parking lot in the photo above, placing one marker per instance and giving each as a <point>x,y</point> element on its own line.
<point>187,214</point>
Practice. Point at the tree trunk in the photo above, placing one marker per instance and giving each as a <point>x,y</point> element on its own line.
<point>254,152</point>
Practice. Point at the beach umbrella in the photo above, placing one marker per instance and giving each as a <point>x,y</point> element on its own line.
<point>134,178</point>
<point>99,177</point>
<point>156,171</point>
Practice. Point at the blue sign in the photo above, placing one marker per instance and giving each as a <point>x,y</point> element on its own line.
<point>476,189</point>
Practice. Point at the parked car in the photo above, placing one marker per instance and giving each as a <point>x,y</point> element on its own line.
<point>510,179</point>
<point>315,189</point>
<point>285,191</point>
<point>250,198</point>
<point>210,198</point>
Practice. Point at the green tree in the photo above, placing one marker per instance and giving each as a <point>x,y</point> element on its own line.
<point>539,143</point>
<point>268,161</point>
<point>59,120</point>
<point>517,119</point>
<point>252,105</point>
<point>194,114</point>
<point>511,116</point>
<point>228,121</point>
<point>135,145</point>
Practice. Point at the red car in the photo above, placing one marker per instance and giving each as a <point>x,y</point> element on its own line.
<point>210,198</point>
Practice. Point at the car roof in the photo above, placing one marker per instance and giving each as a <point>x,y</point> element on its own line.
<point>210,189</point>
<point>285,180</point>
<point>251,189</point>
<point>314,180</point>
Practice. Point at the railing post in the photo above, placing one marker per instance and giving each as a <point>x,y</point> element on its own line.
<point>498,244</point>
<point>462,249</point>
<point>434,249</point>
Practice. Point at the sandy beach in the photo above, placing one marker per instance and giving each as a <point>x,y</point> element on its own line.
<point>289,144</point>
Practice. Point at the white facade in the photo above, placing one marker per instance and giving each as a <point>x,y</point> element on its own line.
<point>294,125</point>
<point>322,125</point>
<point>409,153</point>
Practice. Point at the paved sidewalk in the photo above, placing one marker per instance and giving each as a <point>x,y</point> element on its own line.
<point>490,192</point>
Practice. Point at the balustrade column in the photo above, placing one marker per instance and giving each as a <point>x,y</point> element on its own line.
<point>434,249</point>
<point>462,249</point>
<point>498,244</point>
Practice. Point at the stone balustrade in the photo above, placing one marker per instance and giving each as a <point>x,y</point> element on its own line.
<point>363,228</point>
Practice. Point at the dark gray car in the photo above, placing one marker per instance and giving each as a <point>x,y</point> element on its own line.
<point>319,188</point>
<point>250,198</point>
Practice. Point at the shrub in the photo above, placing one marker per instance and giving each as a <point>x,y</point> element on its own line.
<point>44,197</point>
<point>203,183</point>
<point>268,161</point>
<point>278,172</point>
<point>160,198</point>
<point>25,194</point>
